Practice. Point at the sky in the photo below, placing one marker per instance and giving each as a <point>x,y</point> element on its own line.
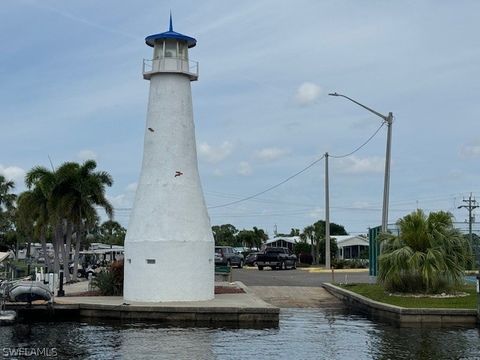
<point>71,89</point>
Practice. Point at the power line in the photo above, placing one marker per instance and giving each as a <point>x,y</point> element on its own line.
<point>268,189</point>
<point>296,174</point>
<point>361,146</point>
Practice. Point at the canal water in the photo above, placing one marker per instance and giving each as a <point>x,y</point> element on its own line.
<point>302,334</point>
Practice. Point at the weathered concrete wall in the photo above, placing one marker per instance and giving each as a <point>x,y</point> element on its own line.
<point>401,315</point>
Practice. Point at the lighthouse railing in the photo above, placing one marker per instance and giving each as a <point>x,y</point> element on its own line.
<point>170,64</point>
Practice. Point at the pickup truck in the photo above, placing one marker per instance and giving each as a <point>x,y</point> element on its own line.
<point>277,258</point>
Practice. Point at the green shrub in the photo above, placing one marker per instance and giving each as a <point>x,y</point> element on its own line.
<point>302,247</point>
<point>305,258</point>
<point>110,281</point>
<point>339,264</point>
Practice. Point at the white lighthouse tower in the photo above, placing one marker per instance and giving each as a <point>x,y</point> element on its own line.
<point>169,246</point>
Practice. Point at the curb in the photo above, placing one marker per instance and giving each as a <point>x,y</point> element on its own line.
<point>402,315</point>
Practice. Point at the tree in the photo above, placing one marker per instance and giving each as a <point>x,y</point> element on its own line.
<point>72,192</point>
<point>251,238</point>
<point>260,237</point>
<point>41,181</point>
<point>224,234</point>
<point>7,206</point>
<point>294,232</point>
<point>79,190</point>
<point>316,234</point>
<point>112,233</point>
<point>245,238</point>
<point>335,229</point>
<point>428,255</point>
<point>309,234</point>
<point>32,217</point>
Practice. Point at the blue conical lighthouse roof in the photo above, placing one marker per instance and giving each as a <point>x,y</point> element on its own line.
<point>170,34</point>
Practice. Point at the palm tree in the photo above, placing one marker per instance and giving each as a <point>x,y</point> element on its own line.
<point>32,212</point>
<point>43,181</point>
<point>7,199</point>
<point>428,255</point>
<point>7,203</point>
<point>72,192</point>
<point>79,191</point>
<point>309,233</point>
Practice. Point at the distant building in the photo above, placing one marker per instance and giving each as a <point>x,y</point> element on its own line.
<point>351,246</point>
<point>283,241</point>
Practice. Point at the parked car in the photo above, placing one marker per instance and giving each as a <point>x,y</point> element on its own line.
<point>251,259</point>
<point>277,258</point>
<point>226,255</point>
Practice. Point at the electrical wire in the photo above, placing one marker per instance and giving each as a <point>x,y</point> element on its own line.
<point>361,146</point>
<point>270,188</point>
<point>298,173</point>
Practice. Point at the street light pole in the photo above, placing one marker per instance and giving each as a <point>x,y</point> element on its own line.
<point>327,216</point>
<point>386,183</point>
<point>386,186</point>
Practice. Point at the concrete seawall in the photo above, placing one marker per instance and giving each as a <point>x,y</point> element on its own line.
<point>233,310</point>
<point>404,316</point>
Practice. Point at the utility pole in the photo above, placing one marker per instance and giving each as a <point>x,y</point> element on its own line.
<point>388,119</point>
<point>327,217</point>
<point>472,205</point>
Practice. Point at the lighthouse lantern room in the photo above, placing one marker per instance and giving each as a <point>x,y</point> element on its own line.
<point>170,54</point>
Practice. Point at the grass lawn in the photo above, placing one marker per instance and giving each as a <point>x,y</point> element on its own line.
<point>377,293</point>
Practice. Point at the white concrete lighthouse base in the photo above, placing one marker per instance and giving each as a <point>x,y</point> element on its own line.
<point>158,271</point>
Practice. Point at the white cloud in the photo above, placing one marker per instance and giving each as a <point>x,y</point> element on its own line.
<point>214,154</point>
<point>355,165</point>
<point>87,155</point>
<point>270,154</point>
<point>470,150</point>
<point>13,173</point>
<point>244,168</point>
<point>307,93</point>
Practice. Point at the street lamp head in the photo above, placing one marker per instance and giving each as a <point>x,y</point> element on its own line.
<point>334,94</point>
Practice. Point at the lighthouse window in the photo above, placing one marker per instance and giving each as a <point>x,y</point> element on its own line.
<point>170,49</point>
<point>182,50</point>
<point>150,261</point>
<point>158,50</point>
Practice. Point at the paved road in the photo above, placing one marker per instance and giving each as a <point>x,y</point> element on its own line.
<point>254,277</point>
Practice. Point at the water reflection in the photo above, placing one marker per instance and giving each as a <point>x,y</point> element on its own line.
<point>303,334</point>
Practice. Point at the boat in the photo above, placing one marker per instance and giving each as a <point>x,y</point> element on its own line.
<point>7,317</point>
<point>28,291</point>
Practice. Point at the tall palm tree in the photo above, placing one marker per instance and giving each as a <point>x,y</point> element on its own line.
<point>42,181</point>
<point>7,199</point>
<point>72,191</point>
<point>7,203</point>
<point>428,255</point>
<point>32,211</point>
<point>80,190</point>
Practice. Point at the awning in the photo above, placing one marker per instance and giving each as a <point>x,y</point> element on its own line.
<point>3,256</point>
